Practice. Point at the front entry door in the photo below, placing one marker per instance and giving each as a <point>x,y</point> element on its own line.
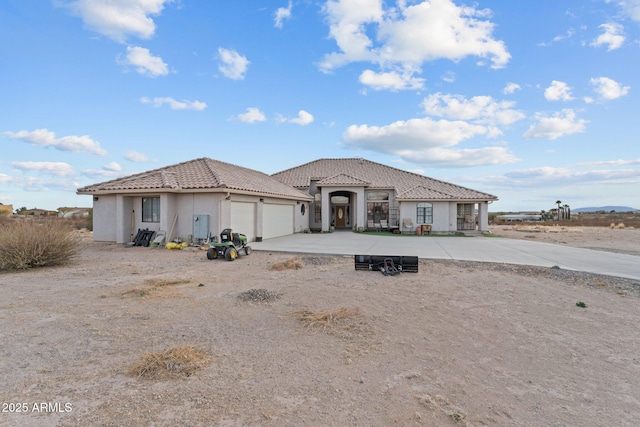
<point>341,216</point>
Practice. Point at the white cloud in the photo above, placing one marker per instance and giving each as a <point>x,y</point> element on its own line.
<point>252,115</point>
<point>408,35</point>
<point>304,118</point>
<point>619,162</point>
<point>567,35</point>
<point>46,138</point>
<point>112,167</point>
<point>281,14</point>
<point>53,168</point>
<point>439,29</point>
<point>428,142</point>
<point>466,157</point>
<point>347,21</point>
<point>234,65</point>
<point>546,175</point>
<point>145,63</point>
<point>390,81</point>
<point>511,88</point>
<point>56,183</point>
<point>479,109</point>
<point>563,123</point>
<point>631,8</point>
<point>119,19</point>
<point>433,142</point>
<point>449,77</point>
<point>558,91</point>
<point>108,171</point>
<point>410,135</point>
<point>612,36</point>
<point>136,156</point>
<point>173,104</point>
<point>608,88</point>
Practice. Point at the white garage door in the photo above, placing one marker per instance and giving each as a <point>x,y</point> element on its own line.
<point>243,219</point>
<point>277,220</point>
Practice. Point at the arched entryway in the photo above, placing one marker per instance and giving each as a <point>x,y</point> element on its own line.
<point>341,209</point>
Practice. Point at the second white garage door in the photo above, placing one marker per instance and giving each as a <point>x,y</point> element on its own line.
<point>277,220</point>
<point>243,219</point>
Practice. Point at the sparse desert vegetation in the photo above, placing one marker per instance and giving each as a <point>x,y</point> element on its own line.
<point>590,219</point>
<point>149,336</point>
<point>30,244</point>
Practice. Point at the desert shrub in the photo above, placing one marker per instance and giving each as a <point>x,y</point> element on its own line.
<point>179,361</point>
<point>25,244</point>
<point>288,264</point>
<point>82,222</point>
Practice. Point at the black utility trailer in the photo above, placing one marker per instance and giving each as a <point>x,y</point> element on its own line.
<point>388,265</point>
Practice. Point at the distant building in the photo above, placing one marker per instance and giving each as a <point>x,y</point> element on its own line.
<point>519,217</point>
<point>73,212</point>
<point>39,212</point>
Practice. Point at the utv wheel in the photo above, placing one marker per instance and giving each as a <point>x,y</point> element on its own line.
<point>247,250</point>
<point>212,253</point>
<point>231,254</point>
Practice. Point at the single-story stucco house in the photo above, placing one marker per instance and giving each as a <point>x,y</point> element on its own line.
<point>197,199</point>
<point>361,194</point>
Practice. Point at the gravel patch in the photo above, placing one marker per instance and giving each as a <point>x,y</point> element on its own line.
<point>258,295</point>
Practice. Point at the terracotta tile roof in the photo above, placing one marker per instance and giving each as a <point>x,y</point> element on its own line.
<point>420,192</point>
<point>410,185</point>
<point>342,179</point>
<point>198,174</point>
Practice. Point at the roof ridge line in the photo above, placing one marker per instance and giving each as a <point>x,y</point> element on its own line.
<point>207,161</point>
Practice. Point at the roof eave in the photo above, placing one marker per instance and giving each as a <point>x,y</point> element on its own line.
<point>452,199</point>
<point>224,190</point>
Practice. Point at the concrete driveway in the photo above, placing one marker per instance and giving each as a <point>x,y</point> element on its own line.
<point>484,249</point>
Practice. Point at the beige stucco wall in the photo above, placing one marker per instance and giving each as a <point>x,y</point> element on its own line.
<point>443,221</point>
<point>104,219</point>
<point>112,214</point>
<point>300,221</point>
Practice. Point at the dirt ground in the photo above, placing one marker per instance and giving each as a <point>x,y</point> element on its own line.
<point>456,344</point>
<point>611,239</point>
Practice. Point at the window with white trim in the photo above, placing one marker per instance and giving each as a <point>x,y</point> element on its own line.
<point>151,209</point>
<point>424,214</point>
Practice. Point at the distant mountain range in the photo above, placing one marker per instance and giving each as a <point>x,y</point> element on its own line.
<point>605,209</point>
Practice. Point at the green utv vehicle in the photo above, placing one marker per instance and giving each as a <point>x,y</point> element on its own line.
<point>230,246</point>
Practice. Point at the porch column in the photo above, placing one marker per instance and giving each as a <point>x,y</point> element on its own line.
<point>483,216</point>
<point>124,227</point>
<point>325,210</point>
<point>361,208</point>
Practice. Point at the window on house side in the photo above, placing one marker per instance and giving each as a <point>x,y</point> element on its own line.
<point>378,195</point>
<point>318,207</point>
<point>151,209</point>
<point>425,213</point>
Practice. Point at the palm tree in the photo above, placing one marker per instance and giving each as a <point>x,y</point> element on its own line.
<point>567,210</point>
<point>558,202</point>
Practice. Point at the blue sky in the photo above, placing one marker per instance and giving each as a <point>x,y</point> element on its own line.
<point>533,101</point>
